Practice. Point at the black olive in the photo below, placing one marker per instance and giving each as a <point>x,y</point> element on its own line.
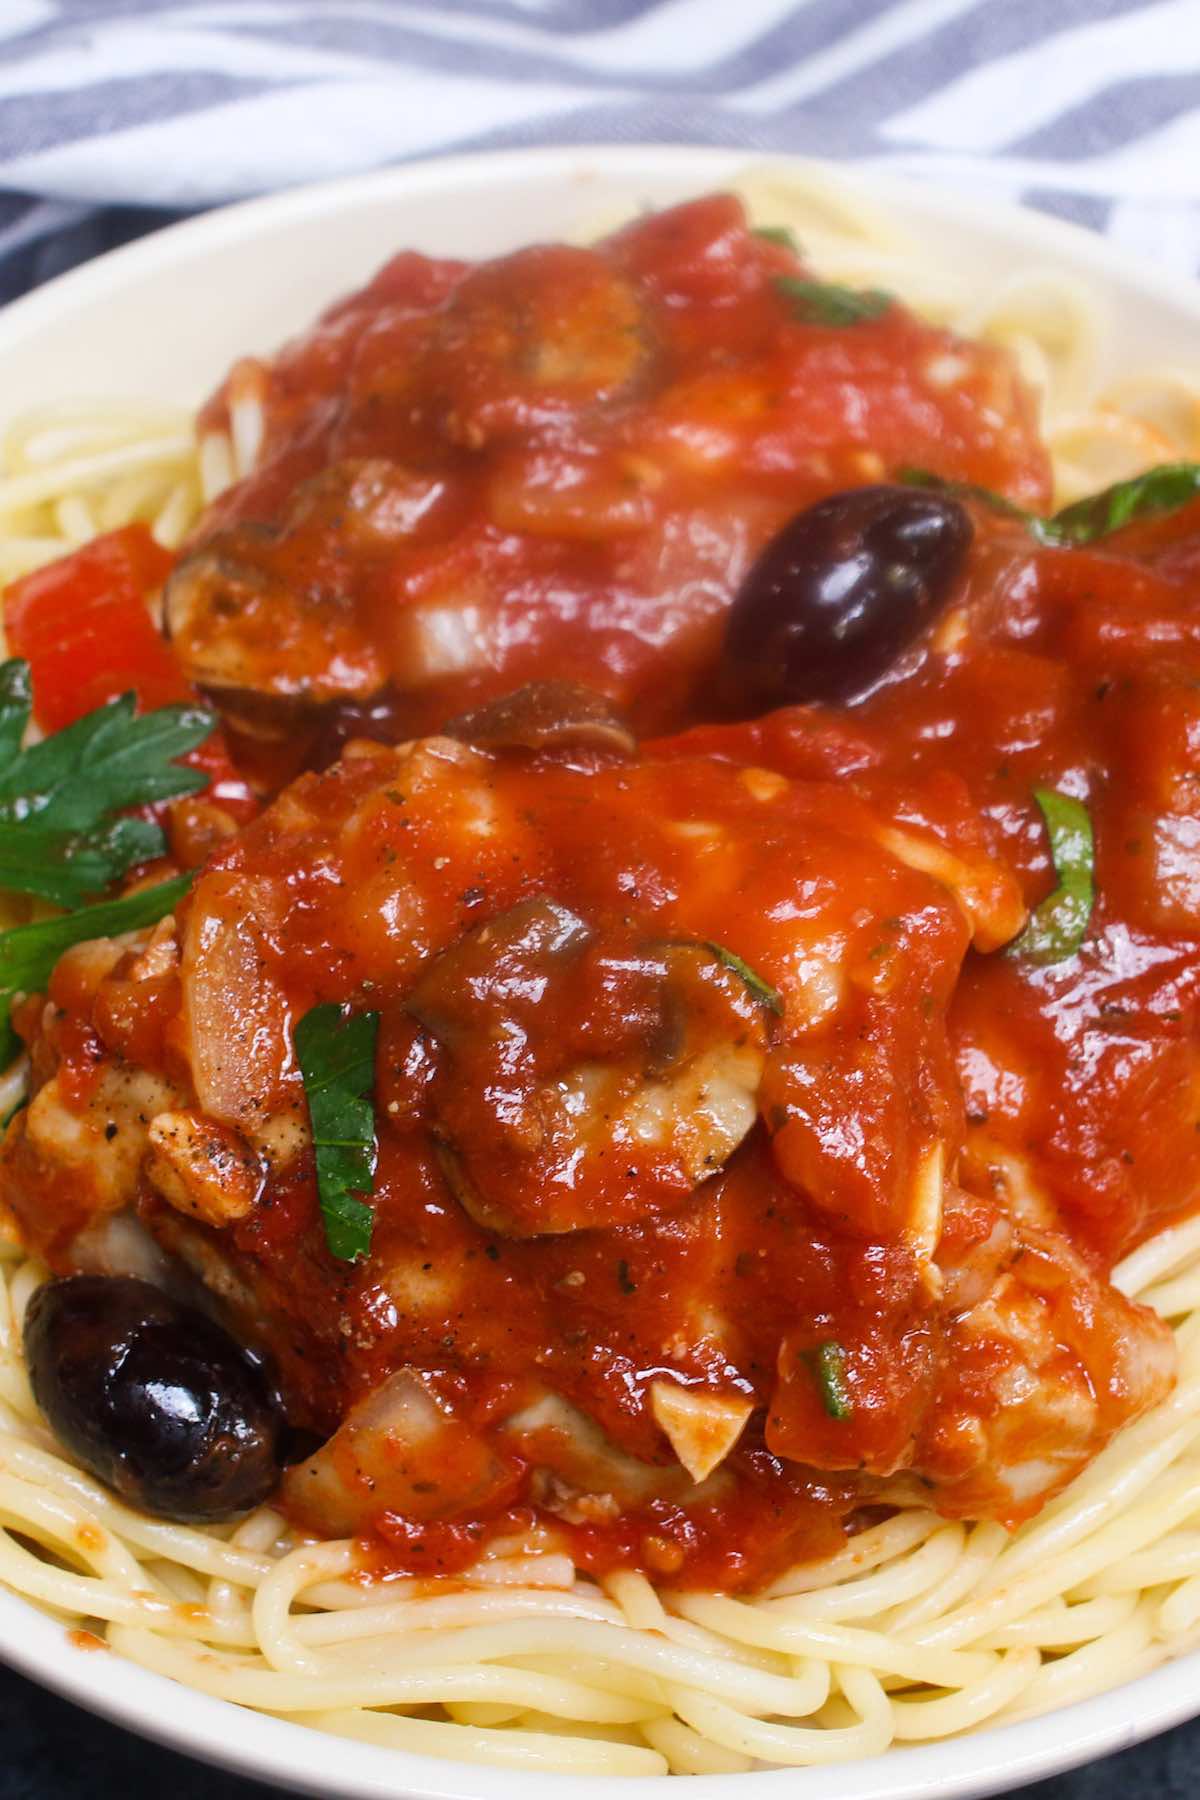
<point>154,1397</point>
<point>839,594</point>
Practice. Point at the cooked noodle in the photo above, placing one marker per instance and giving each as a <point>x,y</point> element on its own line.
<point>921,1627</point>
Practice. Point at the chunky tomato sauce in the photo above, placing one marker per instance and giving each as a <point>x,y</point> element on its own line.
<point>560,462</point>
<point>738,1171</point>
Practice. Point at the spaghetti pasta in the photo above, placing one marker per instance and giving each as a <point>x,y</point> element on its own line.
<point>920,1627</point>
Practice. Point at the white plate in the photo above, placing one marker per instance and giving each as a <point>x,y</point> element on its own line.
<point>164,318</point>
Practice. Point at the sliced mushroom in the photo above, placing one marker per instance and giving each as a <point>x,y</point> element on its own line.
<point>520,947</point>
<point>536,1137</point>
<point>546,715</point>
<point>265,644</point>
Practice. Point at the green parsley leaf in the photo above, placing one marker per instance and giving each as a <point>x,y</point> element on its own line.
<point>825,303</point>
<point>777,234</point>
<point>16,706</point>
<point>828,1364</point>
<point>104,762</point>
<point>1147,496</point>
<point>1057,927</point>
<point>337,1059</point>
<point>28,953</point>
<point>760,990</point>
<point>60,836</point>
<point>1160,490</point>
<point>66,867</point>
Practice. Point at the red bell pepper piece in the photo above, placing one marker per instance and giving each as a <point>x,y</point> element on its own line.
<point>83,626</point>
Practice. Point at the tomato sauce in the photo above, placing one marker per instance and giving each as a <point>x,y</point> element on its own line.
<point>716,1101</point>
<point>562,461</point>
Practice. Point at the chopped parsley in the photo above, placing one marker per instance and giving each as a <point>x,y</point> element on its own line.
<point>1057,927</point>
<point>825,303</point>
<point>828,1363</point>
<point>777,234</point>
<point>336,1049</point>
<point>760,990</point>
<point>63,833</point>
<point>1158,491</point>
<point>1042,530</point>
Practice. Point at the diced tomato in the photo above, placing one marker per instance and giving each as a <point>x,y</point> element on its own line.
<point>83,626</point>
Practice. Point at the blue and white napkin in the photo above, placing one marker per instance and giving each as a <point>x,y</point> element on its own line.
<point>116,112</point>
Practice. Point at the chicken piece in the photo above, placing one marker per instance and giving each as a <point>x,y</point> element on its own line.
<point>593,1046</point>
<point>411,1448</point>
<point>667,1133</point>
<point>615,967</point>
<point>584,1143</point>
<point>1034,1380</point>
<point>561,462</point>
<point>88,1151</point>
<point>201,1167</point>
<point>580,1474</point>
<point>267,615</point>
<point>988,1397</point>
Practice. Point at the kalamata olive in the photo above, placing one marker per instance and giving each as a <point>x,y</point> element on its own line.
<point>154,1397</point>
<point>840,593</point>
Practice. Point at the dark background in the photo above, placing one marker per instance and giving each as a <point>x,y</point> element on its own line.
<point>52,1751</point>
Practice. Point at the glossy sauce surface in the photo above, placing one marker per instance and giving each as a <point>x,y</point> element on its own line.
<point>562,462</point>
<point>706,1067</point>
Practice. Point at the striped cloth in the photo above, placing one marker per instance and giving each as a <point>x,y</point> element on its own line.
<point>116,113</point>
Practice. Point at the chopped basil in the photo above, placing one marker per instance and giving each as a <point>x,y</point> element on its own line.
<point>760,990</point>
<point>828,1364</point>
<point>28,953</point>
<point>1160,490</point>
<point>336,1049</point>
<point>825,303</point>
<point>777,234</point>
<point>1057,927</point>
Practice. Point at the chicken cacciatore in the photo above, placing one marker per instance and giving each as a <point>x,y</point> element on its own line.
<point>711,990</point>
